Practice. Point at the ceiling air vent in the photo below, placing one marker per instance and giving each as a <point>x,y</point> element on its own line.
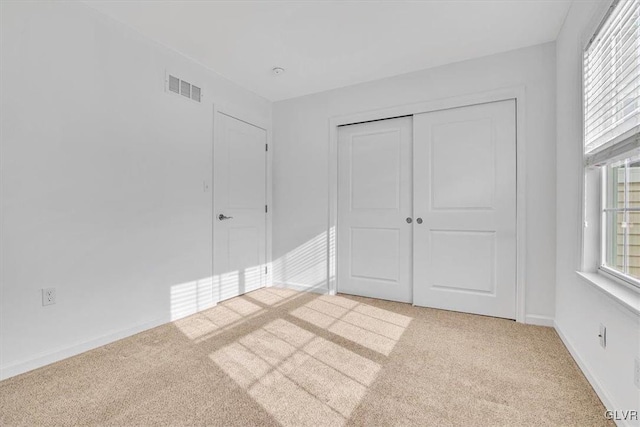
<point>195,93</point>
<point>174,84</point>
<point>186,89</point>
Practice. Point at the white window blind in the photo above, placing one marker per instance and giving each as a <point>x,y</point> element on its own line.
<point>612,81</point>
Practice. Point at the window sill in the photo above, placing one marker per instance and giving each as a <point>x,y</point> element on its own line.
<point>620,293</point>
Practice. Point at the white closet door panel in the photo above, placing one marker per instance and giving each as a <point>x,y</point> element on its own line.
<point>374,200</point>
<point>465,194</point>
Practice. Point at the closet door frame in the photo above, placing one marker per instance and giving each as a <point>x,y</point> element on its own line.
<point>515,93</point>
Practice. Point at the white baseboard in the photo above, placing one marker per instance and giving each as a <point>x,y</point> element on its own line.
<point>64,353</point>
<point>61,354</point>
<point>539,320</point>
<point>584,367</point>
<point>318,289</point>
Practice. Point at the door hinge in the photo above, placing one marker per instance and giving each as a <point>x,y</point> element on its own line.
<point>266,209</point>
<point>266,147</point>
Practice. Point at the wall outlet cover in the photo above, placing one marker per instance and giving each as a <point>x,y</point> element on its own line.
<point>603,336</point>
<point>48,296</point>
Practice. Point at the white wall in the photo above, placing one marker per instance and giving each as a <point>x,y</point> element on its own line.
<point>301,136</point>
<point>580,308</point>
<point>102,181</point>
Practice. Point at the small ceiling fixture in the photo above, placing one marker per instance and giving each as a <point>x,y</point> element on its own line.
<point>278,70</point>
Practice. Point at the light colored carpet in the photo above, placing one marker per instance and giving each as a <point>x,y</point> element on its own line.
<point>277,357</point>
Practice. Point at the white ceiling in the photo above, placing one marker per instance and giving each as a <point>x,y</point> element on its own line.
<point>329,44</point>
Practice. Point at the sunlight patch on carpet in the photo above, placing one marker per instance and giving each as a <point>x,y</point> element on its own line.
<point>371,327</point>
<point>297,376</point>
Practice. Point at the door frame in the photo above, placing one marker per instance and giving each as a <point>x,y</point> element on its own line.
<point>516,93</point>
<point>264,124</point>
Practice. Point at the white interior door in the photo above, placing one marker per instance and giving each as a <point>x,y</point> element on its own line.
<point>239,232</point>
<point>465,195</point>
<point>374,200</point>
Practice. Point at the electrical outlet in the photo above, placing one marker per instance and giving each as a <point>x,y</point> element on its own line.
<point>48,296</point>
<point>636,376</point>
<point>603,336</point>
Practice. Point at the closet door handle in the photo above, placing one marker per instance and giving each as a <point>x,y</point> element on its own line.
<point>409,220</point>
<point>419,220</point>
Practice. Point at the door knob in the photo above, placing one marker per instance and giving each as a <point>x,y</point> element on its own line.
<point>222,217</point>
<point>419,220</point>
<point>409,220</point>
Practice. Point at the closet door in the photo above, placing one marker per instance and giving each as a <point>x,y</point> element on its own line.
<point>374,202</point>
<point>465,209</point>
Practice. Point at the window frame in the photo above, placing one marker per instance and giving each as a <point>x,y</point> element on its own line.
<point>603,267</point>
<point>594,189</point>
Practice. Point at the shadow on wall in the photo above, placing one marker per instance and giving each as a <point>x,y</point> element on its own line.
<point>305,267</point>
<point>191,297</point>
<point>237,282</point>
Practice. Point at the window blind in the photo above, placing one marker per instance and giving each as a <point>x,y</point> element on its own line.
<point>612,80</point>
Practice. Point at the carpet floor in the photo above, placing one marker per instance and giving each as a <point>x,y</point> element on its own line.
<point>279,357</point>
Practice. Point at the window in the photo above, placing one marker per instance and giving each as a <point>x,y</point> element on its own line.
<point>621,217</point>
<point>612,134</point>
